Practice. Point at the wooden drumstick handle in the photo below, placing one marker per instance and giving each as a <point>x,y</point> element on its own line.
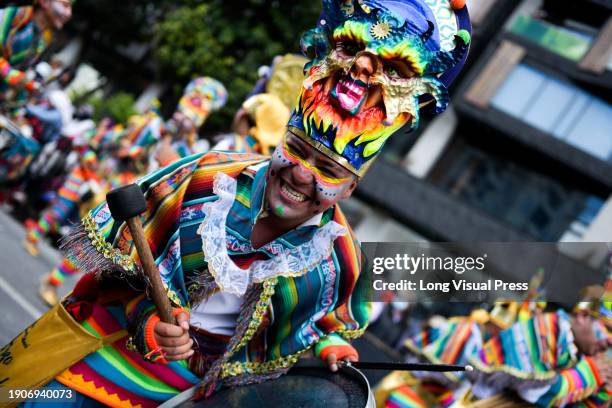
<point>158,292</point>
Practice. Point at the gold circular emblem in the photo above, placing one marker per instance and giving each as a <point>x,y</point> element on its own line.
<point>380,30</point>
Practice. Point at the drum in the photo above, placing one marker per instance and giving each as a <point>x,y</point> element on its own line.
<point>308,384</point>
<point>16,151</point>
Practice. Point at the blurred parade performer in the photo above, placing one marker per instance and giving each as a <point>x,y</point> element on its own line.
<point>130,151</point>
<point>545,358</point>
<point>79,184</point>
<point>26,32</point>
<point>125,171</point>
<point>259,262</point>
<point>201,97</point>
<point>259,126</point>
<point>142,134</point>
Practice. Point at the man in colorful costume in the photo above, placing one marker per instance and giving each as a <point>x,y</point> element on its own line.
<point>26,32</point>
<point>257,250</point>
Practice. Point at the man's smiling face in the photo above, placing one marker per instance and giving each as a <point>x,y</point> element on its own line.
<point>302,182</point>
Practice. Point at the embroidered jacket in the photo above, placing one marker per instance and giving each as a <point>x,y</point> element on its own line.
<point>281,317</point>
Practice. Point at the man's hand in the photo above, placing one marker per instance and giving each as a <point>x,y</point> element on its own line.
<point>332,361</point>
<point>174,339</point>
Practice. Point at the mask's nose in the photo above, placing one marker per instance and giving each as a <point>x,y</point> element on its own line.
<point>364,67</point>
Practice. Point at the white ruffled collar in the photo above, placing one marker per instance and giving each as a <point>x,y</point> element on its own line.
<point>290,263</point>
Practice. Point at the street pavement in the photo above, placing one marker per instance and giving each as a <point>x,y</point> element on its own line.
<point>20,276</point>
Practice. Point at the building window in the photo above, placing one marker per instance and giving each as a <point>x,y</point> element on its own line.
<point>534,203</point>
<point>569,43</point>
<point>558,108</point>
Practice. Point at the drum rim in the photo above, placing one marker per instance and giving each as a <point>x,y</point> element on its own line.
<point>301,364</point>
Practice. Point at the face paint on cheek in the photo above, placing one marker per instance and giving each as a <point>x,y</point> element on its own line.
<point>279,161</point>
<point>328,195</point>
<point>279,210</point>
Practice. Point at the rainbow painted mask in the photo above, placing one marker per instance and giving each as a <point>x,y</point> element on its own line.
<point>202,96</point>
<point>374,63</point>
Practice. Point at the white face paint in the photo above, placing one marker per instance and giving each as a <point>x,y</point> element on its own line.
<point>304,182</point>
<point>327,187</point>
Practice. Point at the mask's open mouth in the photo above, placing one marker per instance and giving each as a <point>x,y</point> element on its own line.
<point>350,94</point>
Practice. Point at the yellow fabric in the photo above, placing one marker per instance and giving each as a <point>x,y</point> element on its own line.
<point>286,79</point>
<point>270,116</point>
<point>496,401</point>
<point>46,348</point>
<point>504,314</point>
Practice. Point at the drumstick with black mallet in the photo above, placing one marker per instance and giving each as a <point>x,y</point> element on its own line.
<point>376,365</point>
<point>127,203</point>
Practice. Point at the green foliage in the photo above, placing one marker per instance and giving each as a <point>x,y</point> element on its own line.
<point>119,107</point>
<point>117,22</point>
<point>228,41</point>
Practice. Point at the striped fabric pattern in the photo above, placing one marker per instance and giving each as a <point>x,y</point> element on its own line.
<point>425,393</point>
<point>531,349</point>
<point>302,309</point>
<point>404,397</point>
<point>21,42</point>
<point>58,274</point>
<point>581,384</point>
<point>453,343</point>
<point>62,206</point>
<point>141,383</point>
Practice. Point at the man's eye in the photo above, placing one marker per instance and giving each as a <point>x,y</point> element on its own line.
<point>349,48</point>
<point>295,149</point>
<point>328,171</point>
